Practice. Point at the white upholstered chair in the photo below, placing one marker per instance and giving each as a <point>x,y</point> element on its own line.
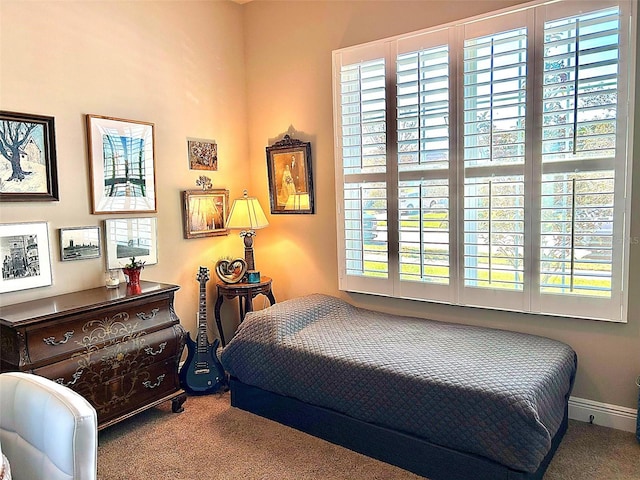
<point>47,431</point>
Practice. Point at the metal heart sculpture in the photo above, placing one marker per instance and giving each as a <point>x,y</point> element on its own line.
<point>231,271</point>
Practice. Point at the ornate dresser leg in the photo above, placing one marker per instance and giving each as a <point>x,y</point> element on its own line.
<point>176,403</point>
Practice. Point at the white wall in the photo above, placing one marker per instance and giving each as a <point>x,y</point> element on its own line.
<point>179,65</point>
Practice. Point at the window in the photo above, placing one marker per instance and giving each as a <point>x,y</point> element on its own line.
<point>487,163</point>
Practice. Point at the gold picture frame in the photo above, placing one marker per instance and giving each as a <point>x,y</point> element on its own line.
<point>204,212</point>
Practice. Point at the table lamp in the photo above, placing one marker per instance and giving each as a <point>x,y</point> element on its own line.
<point>247,215</point>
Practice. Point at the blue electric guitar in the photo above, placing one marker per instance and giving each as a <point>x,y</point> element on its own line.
<point>202,372</point>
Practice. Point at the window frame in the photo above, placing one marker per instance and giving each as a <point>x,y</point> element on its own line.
<point>530,299</point>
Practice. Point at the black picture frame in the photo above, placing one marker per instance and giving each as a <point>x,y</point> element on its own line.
<point>79,243</point>
<point>289,169</point>
<point>33,136</point>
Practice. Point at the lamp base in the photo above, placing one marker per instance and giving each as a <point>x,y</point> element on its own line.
<point>247,236</point>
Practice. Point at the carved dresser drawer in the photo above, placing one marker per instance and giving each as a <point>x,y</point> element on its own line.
<point>95,330</point>
<point>119,351</point>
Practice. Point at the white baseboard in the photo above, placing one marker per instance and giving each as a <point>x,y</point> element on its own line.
<point>605,414</point>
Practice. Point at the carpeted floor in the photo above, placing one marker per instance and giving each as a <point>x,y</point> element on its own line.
<point>211,440</point>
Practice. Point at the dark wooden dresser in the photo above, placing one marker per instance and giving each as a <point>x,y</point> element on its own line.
<point>120,351</point>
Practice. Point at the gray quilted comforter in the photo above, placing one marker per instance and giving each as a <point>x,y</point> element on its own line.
<point>495,393</point>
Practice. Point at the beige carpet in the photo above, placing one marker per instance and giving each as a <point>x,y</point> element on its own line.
<point>211,440</point>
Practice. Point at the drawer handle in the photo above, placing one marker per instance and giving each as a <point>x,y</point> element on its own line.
<point>52,340</point>
<point>75,376</point>
<point>148,316</point>
<point>149,385</point>
<point>150,351</point>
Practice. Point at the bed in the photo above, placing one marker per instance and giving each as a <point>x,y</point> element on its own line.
<point>443,400</point>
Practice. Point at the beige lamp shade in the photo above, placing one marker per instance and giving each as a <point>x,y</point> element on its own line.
<point>246,214</point>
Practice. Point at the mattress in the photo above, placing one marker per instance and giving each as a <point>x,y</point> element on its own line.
<point>495,393</point>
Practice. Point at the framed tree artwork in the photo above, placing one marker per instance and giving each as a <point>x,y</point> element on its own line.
<point>28,170</point>
<point>122,165</point>
<point>290,178</point>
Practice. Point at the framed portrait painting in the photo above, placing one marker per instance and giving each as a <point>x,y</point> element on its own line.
<point>205,212</point>
<point>79,243</point>
<point>122,165</point>
<point>26,261</point>
<point>290,178</point>
<point>130,237</point>
<point>28,169</point>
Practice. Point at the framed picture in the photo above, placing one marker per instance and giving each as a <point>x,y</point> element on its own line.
<point>130,237</point>
<point>122,165</point>
<point>203,154</point>
<point>204,212</point>
<point>290,179</point>
<point>28,169</point>
<point>26,262</point>
<point>79,243</point>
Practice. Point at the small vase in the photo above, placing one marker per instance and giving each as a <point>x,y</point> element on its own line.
<point>133,279</point>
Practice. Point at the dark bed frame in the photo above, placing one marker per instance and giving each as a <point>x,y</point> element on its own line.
<point>403,450</point>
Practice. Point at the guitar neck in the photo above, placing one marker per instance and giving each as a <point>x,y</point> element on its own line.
<point>202,318</point>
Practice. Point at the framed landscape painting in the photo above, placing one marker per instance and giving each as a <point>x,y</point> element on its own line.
<point>28,169</point>
<point>122,165</point>
<point>79,243</point>
<point>26,261</point>
<point>130,237</point>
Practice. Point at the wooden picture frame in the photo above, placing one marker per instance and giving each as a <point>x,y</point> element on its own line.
<point>203,154</point>
<point>26,259</point>
<point>121,165</point>
<point>204,212</point>
<point>130,237</point>
<point>30,139</point>
<point>79,243</point>
<point>290,176</point>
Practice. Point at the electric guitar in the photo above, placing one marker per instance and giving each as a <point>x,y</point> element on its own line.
<point>202,372</point>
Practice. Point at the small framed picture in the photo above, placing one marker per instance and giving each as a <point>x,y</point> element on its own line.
<point>79,243</point>
<point>28,169</point>
<point>203,154</point>
<point>130,237</point>
<point>26,261</point>
<point>122,165</point>
<point>290,178</point>
<point>204,212</point>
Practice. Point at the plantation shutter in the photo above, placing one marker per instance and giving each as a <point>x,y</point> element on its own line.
<point>495,91</point>
<point>582,201</point>
<point>426,237</point>
<point>361,127</point>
